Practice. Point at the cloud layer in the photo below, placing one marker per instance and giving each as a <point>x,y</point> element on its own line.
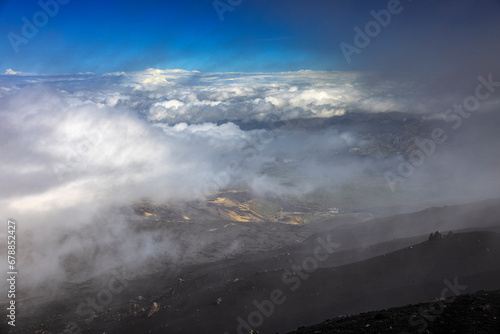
<point>75,146</point>
<point>174,96</point>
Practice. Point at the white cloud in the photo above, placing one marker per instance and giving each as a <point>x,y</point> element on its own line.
<point>11,72</point>
<point>176,96</point>
<point>76,145</point>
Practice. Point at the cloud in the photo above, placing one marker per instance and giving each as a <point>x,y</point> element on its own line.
<point>78,137</point>
<point>177,96</point>
<point>11,72</point>
<point>75,146</point>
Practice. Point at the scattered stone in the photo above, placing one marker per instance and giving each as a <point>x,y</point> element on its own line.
<point>435,236</point>
<point>154,308</point>
<point>219,300</point>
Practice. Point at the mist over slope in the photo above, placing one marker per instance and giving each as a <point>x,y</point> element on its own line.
<point>323,270</point>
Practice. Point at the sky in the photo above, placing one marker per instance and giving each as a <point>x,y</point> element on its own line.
<point>247,36</point>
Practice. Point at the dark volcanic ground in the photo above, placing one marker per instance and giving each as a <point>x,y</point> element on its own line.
<point>298,276</point>
<point>474,313</point>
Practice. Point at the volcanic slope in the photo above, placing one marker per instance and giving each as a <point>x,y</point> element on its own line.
<point>370,265</point>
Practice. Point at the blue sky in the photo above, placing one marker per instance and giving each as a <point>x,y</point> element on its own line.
<point>256,36</point>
